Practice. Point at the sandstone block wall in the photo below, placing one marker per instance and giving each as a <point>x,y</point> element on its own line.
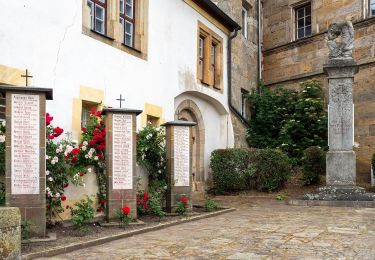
<point>244,59</point>
<point>288,62</point>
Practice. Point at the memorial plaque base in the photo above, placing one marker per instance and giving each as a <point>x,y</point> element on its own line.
<point>341,168</point>
<point>119,199</point>
<point>174,197</point>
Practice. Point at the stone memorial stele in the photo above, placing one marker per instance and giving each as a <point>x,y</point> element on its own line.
<point>25,173</point>
<point>341,159</point>
<point>178,147</point>
<point>121,159</point>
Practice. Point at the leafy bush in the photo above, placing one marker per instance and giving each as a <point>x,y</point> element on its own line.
<point>150,203</point>
<point>25,229</point>
<point>373,160</point>
<point>242,169</point>
<point>230,169</point>
<point>272,169</point>
<point>151,153</point>
<point>210,205</point>
<point>313,164</point>
<point>289,120</point>
<point>82,214</point>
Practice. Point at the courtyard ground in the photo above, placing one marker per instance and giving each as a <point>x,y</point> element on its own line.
<point>261,228</point>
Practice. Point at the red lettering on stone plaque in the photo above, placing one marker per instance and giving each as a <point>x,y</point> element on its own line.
<point>25,144</point>
<point>122,145</point>
<point>181,156</point>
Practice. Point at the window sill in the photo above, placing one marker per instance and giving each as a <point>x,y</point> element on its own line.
<point>131,48</point>
<point>214,88</point>
<point>103,35</point>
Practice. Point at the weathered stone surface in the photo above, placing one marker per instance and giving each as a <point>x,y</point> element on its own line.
<point>244,60</point>
<point>341,193</point>
<point>341,168</point>
<point>10,233</point>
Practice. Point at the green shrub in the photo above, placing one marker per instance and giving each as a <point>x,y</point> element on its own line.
<point>313,164</point>
<point>280,197</point>
<point>373,160</point>
<point>289,120</point>
<point>123,215</point>
<point>210,205</point>
<point>82,214</point>
<point>182,207</point>
<point>272,169</point>
<point>230,170</point>
<point>25,229</point>
<point>242,169</point>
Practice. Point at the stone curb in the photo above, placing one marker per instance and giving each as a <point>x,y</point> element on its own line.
<point>332,203</point>
<point>81,245</point>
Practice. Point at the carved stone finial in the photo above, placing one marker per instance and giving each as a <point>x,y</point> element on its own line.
<point>344,48</point>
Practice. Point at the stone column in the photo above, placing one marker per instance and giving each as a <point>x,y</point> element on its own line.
<point>341,159</point>
<point>121,159</point>
<point>25,174</point>
<point>178,146</point>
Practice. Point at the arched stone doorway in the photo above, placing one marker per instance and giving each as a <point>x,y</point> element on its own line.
<point>189,111</point>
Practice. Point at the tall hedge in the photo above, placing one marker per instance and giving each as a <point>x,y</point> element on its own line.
<point>244,169</point>
<point>289,120</point>
<point>230,169</point>
<point>272,169</point>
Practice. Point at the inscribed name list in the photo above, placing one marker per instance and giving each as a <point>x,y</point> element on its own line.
<point>25,144</point>
<point>122,175</point>
<point>181,156</point>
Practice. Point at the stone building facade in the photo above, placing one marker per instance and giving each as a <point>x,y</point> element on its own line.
<point>295,49</point>
<point>244,61</point>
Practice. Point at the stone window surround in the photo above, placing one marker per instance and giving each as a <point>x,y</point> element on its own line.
<point>293,8</point>
<point>114,35</point>
<point>210,39</point>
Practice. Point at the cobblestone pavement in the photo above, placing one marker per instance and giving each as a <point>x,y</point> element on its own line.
<point>259,229</point>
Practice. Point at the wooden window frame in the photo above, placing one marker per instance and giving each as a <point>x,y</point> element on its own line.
<point>304,5</point>
<point>212,73</point>
<point>102,4</point>
<point>127,19</point>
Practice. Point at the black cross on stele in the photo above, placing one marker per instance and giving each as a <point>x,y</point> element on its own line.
<point>120,99</point>
<point>27,76</point>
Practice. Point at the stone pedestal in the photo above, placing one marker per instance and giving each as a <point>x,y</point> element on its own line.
<point>341,160</point>
<point>178,146</point>
<point>10,233</point>
<point>25,179</point>
<point>121,160</point>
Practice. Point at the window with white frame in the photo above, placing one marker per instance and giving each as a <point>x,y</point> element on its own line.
<point>98,15</point>
<point>127,19</point>
<point>303,21</point>
<point>245,14</point>
<point>372,7</point>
